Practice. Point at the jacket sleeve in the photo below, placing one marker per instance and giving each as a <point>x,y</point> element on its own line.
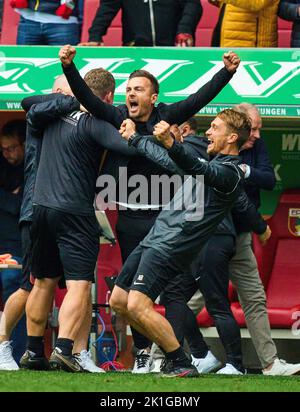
<point>181,111</point>
<point>27,102</point>
<point>289,11</point>
<point>262,175</point>
<point>253,5</point>
<point>10,202</point>
<point>43,113</point>
<point>217,175</point>
<point>105,14</point>
<point>245,210</point>
<point>107,136</point>
<point>147,147</point>
<point>191,15</point>
<point>92,103</point>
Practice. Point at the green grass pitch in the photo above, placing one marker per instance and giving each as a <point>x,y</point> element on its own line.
<point>31,381</point>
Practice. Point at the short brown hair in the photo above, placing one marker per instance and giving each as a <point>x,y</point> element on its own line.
<point>100,81</point>
<point>237,122</point>
<point>149,76</point>
<point>14,129</point>
<point>192,122</point>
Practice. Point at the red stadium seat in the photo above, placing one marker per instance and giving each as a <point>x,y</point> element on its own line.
<point>278,262</point>
<point>284,33</point>
<point>10,21</point>
<point>206,25</point>
<point>114,34</point>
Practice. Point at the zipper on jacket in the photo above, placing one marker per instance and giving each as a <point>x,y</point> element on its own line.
<point>152,22</point>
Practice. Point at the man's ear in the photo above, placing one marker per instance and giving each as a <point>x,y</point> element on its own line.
<point>185,131</point>
<point>109,98</point>
<point>233,138</point>
<point>154,98</point>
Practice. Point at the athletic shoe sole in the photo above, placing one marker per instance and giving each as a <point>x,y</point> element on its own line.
<point>40,364</point>
<point>191,373</point>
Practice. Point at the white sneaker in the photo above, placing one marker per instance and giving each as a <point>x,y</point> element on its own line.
<point>7,362</point>
<point>208,364</point>
<point>142,362</point>
<point>85,360</point>
<point>281,367</point>
<point>229,370</point>
<point>156,365</point>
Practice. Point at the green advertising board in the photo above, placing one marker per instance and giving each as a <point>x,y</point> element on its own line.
<point>284,149</point>
<point>268,78</point>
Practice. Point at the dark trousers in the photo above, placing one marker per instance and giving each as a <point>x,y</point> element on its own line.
<point>209,273</point>
<point>131,230</point>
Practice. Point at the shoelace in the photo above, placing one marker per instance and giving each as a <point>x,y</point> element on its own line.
<point>166,365</point>
<point>283,362</point>
<point>142,360</point>
<point>84,358</point>
<point>87,357</point>
<point>78,357</point>
<point>6,351</point>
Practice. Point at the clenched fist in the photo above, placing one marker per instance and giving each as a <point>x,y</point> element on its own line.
<point>67,54</point>
<point>127,128</point>
<point>231,61</point>
<point>162,132</point>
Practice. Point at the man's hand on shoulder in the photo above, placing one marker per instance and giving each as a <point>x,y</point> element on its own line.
<point>231,61</point>
<point>67,54</point>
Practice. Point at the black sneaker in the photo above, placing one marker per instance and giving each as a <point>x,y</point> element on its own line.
<point>172,369</point>
<point>58,361</point>
<point>30,361</point>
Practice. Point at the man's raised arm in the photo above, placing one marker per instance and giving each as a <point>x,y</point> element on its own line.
<point>83,93</point>
<point>181,111</point>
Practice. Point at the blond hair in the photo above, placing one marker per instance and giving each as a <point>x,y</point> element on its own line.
<point>237,122</point>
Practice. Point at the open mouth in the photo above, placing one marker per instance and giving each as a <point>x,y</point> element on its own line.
<point>211,145</point>
<point>133,106</point>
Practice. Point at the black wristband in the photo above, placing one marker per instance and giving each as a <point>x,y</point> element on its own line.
<point>132,137</point>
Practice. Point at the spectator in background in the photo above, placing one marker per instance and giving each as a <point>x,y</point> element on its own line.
<point>51,22</point>
<point>290,10</point>
<point>244,23</point>
<point>259,174</point>
<point>148,22</point>
<point>11,188</point>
